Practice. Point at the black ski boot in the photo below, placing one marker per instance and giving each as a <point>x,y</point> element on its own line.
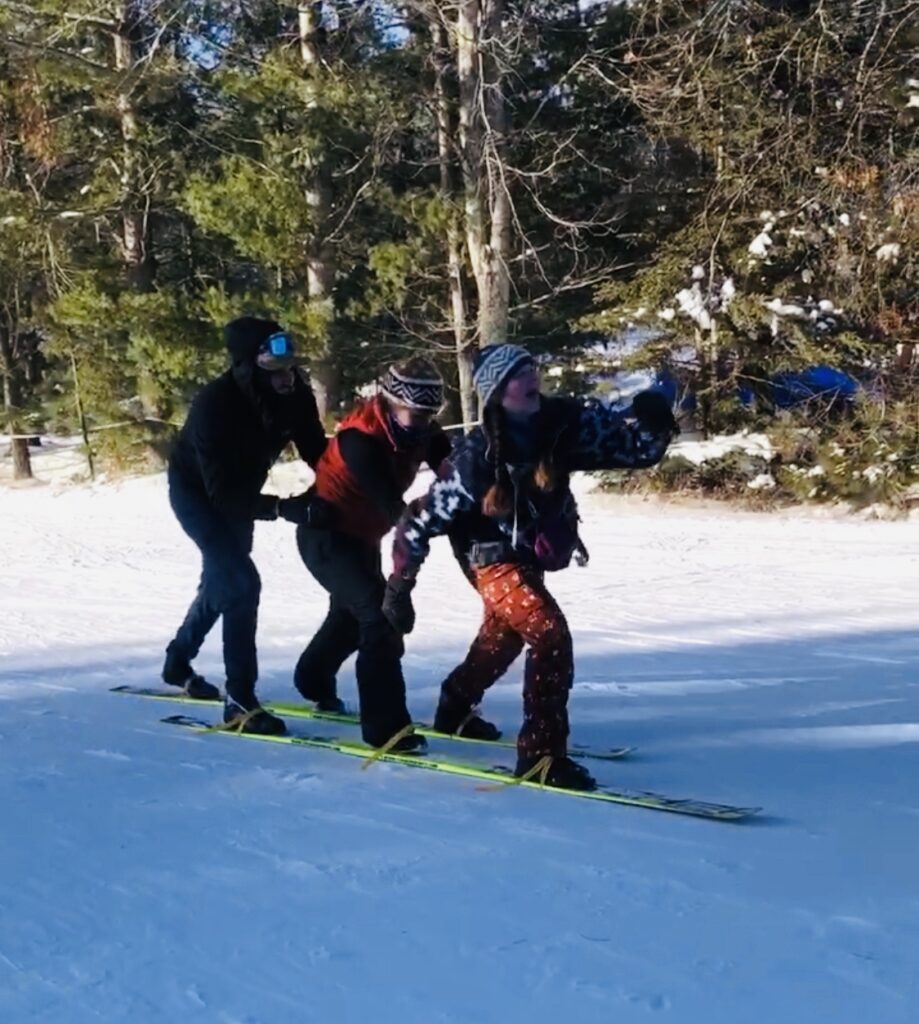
<point>409,743</point>
<point>327,700</point>
<point>332,705</point>
<point>562,772</point>
<point>250,716</point>
<point>459,720</point>
<point>178,672</point>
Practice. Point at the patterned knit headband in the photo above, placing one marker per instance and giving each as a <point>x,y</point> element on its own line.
<point>425,394</point>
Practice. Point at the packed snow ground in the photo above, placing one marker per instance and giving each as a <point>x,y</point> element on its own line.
<point>150,875</point>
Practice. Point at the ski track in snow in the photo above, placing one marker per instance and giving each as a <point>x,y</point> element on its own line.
<point>148,874</point>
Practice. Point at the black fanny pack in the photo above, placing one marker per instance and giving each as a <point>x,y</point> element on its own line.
<point>550,552</point>
<point>491,552</point>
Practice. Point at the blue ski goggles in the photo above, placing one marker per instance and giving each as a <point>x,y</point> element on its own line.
<point>278,352</point>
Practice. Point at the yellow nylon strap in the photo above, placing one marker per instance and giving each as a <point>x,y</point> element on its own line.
<point>236,724</point>
<point>459,729</point>
<point>407,730</point>
<point>541,768</point>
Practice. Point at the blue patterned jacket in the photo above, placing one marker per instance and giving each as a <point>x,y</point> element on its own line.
<point>582,435</point>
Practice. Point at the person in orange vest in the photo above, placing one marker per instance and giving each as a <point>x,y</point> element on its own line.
<point>362,475</point>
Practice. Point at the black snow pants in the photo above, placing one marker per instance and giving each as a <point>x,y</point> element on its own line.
<point>230,587</point>
<point>349,570</point>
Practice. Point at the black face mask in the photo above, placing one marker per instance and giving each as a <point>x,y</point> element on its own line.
<point>408,437</point>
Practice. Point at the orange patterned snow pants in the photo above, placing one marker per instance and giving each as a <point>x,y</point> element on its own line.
<point>520,611</point>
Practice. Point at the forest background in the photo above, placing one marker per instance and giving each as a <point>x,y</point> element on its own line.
<point>722,194</point>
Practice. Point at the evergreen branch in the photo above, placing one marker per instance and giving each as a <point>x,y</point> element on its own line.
<point>48,16</point>
<point>69,55</point>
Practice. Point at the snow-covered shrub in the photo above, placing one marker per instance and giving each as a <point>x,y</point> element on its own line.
<point>733,473</point>
<point>871,457</point>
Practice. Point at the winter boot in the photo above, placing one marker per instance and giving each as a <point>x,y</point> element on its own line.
<point>560,772</point>
<point>250,716</point>
<point>326,700</point>
<point>408,743</point>
<point>455,719</point>
<point>411,743</point>
<point>332,705</point>
<point>178,672</point>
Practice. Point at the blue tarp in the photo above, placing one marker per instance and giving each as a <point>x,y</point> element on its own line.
<point>790,389</point>
<point>787,390</point>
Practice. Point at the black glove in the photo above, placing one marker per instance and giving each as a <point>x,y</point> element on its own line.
<point>307,510</point>
<point>653,412</point>
<point>397,604</point>
<point>266,507</point>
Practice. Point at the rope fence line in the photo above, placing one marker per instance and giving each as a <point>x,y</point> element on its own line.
<point>170,423</point>
<point>93,430</point>
<point>76,444</point>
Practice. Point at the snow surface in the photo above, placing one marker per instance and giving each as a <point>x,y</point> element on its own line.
<point>699,451</point>
<point>888,253</point>
<point>150,875</point>
<point>57,459</point>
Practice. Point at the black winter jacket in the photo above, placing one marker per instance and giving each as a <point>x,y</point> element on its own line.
<point>234,432</point>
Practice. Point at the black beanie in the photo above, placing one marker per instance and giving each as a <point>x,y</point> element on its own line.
<point>243,337</point>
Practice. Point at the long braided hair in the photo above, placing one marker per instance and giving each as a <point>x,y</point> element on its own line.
<point>499,499</point>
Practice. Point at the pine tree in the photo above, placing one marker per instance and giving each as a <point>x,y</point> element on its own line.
<point>797,219</point>
<point>119,83</point>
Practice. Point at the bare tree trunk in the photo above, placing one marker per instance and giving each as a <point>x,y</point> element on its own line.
<point>12,399</point>
<point>320,262</point>
<point>497,278</point>
<point>81,415</point>
<point>706,344</point>
<point>907,352</point>
<point>483,127</point>
<point>135,245</point>
<point>135,238</point>
<point>448,187</point>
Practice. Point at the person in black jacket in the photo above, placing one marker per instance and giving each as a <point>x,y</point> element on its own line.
<point>236,428</point>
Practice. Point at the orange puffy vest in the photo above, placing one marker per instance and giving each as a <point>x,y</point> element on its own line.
<point>335,483</point>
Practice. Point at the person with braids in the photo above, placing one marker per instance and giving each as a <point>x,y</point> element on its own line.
<point>362,476</point>
<point>503,498</point>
